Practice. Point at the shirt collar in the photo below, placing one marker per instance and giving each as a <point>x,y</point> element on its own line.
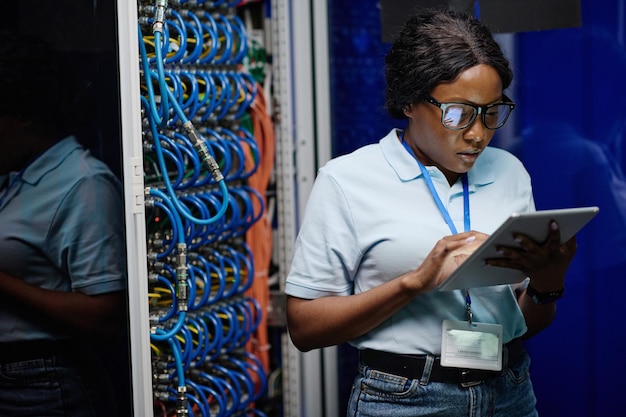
<point>49,160</point>
<point>407,169</point>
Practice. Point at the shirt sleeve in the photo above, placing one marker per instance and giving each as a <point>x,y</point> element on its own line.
<point>326,254</point>
<point>87,240</point>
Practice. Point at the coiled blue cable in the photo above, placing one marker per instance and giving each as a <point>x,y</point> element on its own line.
<point>239,28</point>
<point>159,116</point>
<point>199,399</point>
<point>210,28</point>
<point>168,245</point>
<point>173,308</point>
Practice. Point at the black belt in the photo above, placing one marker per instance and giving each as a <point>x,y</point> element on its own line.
<point>412,366</point>
<point>35,349</point>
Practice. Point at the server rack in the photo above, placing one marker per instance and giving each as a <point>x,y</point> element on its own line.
<point>301,91</point>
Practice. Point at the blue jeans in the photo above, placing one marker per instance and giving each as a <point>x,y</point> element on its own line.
<point>56,386</point>
<point>378,394</point>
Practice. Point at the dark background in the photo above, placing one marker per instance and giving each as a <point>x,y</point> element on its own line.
<point>85,33</point>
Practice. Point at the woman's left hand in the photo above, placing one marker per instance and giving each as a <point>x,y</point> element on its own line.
<point>545,263</point>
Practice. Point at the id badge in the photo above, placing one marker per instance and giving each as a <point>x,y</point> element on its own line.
<point>472,346</point>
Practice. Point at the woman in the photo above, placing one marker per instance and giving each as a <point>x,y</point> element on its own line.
<point>385,225</point>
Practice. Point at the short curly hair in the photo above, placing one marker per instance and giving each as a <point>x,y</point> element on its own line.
<point>434,47</point>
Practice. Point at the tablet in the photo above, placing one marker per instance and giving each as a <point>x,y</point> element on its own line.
<point>474,273</point>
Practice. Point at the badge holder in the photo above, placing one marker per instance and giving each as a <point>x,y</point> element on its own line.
<point>466,344</point>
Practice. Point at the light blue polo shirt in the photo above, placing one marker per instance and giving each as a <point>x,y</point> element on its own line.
<point>371,218</point>
<point>61,228</point>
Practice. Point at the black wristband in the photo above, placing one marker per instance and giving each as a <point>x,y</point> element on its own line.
<point>544,297</point>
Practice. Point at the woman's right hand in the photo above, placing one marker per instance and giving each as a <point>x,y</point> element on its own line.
<point>447,254</point>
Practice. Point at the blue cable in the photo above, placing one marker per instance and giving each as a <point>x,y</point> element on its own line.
<point>199,399</point>
<point>210,29</point>
<point>207,102</point>
<point>225,96</point>
<point>168,247</point>
<point>248,265</point>
<point>206,292</point>
<point>234,386</point>
<point>195,168</point>
<point>174,153</point>
<point>219,390</point>
<point>176,352</point>
<point>172,310</point>
<point>177,221</point>
<point>243,373</point>
<point>186,353</point>
<point>194,57</point>
<point>226,48</point>
<point>158,119</point>
<point>174,199</point>
<point>239,28</point>
<point>243,135</point>
<point>214,344</point>
<point>244,315</point>
<point>229,328</point>
<point>182,37</point>
<point>161,334</point>
<point>203,340</point>
<point>195,350</point>
<point>193,230</point>
<point>231,140</point>
<point>259,370</point>
<point>209,269</point>
<point>192,103</point>
<point>234,286</point>
<point>258,312</point>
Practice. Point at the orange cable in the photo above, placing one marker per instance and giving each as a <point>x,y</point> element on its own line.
<point>259,235</point>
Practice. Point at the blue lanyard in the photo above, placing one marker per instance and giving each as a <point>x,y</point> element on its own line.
<point>444,212</point>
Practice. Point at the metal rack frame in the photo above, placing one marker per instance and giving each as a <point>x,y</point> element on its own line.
<point>132,165</point>
<point>303,134</point>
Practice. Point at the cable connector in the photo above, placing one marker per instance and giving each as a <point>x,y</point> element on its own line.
<point>203,151</point>
<point>181,402</point>
<point>159,16</point>
<point>182,287</point>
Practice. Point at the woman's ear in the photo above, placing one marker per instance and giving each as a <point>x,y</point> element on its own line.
<point>407,110</point>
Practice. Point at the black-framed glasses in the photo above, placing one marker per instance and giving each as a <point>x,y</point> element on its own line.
<point>457,116</point>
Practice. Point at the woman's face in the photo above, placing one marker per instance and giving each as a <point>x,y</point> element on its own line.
<point>453,151</point>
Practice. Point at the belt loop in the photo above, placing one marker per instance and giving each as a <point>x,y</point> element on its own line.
<point>428,367</point>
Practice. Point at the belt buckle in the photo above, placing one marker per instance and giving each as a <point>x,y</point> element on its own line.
<point>464,377</point>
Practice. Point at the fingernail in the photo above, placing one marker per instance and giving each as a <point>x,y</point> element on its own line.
<point>470,239</point>
<point>554,226</point>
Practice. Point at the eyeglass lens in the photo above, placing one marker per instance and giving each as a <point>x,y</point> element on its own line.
<point>459,116</point>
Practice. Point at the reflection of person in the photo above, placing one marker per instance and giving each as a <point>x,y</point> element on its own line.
<point>566,146</point>
<point>62,254</point>
<point>381,228</point>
